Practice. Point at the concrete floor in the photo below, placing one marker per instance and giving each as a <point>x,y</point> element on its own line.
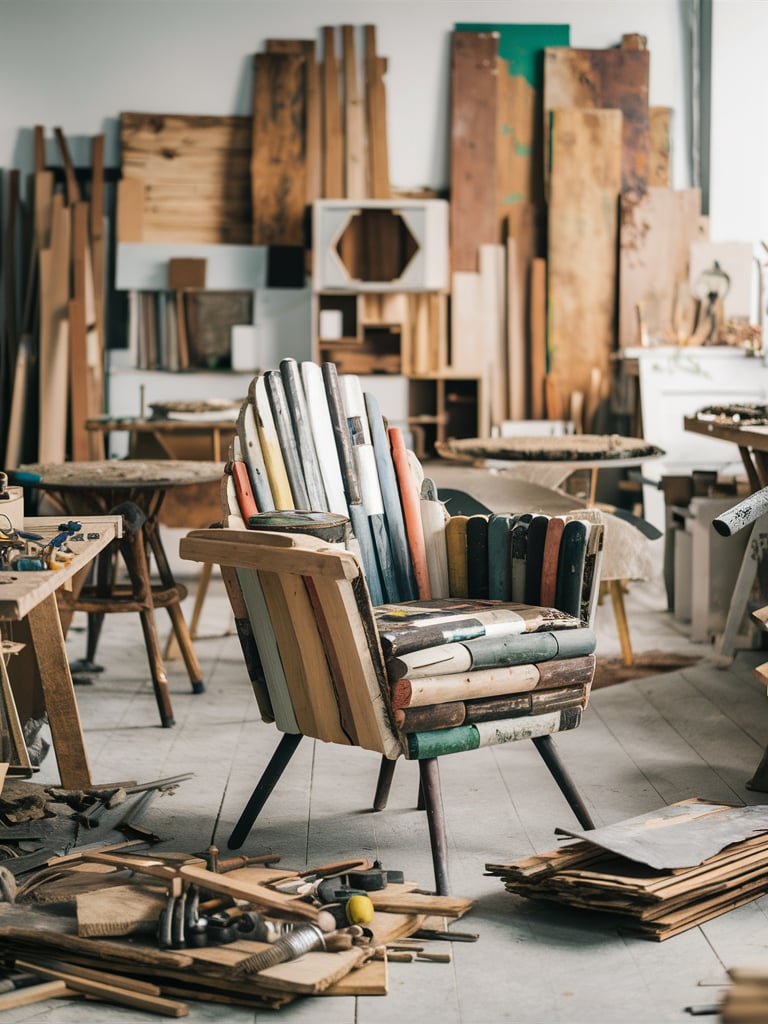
<point>699,732</point>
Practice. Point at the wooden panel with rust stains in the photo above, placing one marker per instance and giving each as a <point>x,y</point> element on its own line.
<point>473,215</point>
<point>278,157</point>
<point>615,79</point>
<point>583,232</point>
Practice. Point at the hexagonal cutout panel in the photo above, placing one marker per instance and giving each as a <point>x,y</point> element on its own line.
<point>376,245</point>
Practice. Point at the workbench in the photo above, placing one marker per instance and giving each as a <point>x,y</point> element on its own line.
<point>29,611</point>
<point>752,443</point>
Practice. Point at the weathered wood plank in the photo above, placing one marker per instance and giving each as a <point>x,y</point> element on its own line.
<point>278,157</point>
<point>615,79</point>
<point>583,232</point>
<point>333,139</point>
<point>474,99</point>
<point>656,233</point>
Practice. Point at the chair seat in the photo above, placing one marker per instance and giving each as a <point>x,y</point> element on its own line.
<point>464,674</point>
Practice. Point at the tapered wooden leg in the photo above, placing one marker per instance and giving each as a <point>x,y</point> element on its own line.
<point>59,694</point>
<point>179,629</point>
<point>546,747</point>
<point>433,799</point>
<point>617,599</point>
<point>135,557</point>
<point>384,783</point>
<point>269,779</point>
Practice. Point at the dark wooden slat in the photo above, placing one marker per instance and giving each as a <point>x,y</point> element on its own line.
<point>278,157</point>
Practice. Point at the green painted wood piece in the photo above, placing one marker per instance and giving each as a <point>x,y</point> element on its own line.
<point>522,46</point>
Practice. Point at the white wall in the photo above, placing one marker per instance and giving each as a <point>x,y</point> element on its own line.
<point>77,64</point>
<point>739,159</point>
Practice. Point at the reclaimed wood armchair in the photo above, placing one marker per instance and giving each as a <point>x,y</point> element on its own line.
<point>462,632</point>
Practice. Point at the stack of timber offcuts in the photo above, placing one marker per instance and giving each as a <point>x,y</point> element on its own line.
<point>656,875</point>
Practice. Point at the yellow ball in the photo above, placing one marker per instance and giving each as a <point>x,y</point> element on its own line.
<point>359,910</point>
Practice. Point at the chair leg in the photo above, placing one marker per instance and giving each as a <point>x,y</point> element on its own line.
<point>546,747</point>
<point>429,774</point>
<point>269,779</point>
<point>384,783</point>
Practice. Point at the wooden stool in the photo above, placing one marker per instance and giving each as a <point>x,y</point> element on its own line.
<point>142,596</point>
<point>134,489</point>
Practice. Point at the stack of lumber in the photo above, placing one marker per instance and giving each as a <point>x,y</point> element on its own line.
<point>52,359</point>
<point>656,875</point>
<point>109,945</point>
<point>563,221</point>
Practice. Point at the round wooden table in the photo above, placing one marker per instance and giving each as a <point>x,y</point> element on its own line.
<point>135,489</point>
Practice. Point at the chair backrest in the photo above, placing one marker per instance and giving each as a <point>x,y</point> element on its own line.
<point>307,612</point>
<point>308,435</point>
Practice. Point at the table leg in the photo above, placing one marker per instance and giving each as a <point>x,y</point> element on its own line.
<point>59,694</point>
<point>135,557</point>
<point>180,629</point>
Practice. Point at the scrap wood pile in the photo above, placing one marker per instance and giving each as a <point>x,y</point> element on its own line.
<point>656,875</point>
<point>154,931</point>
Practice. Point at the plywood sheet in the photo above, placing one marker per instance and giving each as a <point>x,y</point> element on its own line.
<point>615,79</point>
<point>655,240</point>
<point>583,231</point>
<point>196,175</point>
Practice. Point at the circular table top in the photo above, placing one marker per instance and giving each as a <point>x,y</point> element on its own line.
<point>557,448</point>
<point>129,473</point>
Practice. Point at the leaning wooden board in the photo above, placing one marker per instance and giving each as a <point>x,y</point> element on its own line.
<point>195,172</point>
<point>583,230</point>
<point>473,146</point>
<point>278,157</point>
<point>654,254</point>
<point>615,79</point>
